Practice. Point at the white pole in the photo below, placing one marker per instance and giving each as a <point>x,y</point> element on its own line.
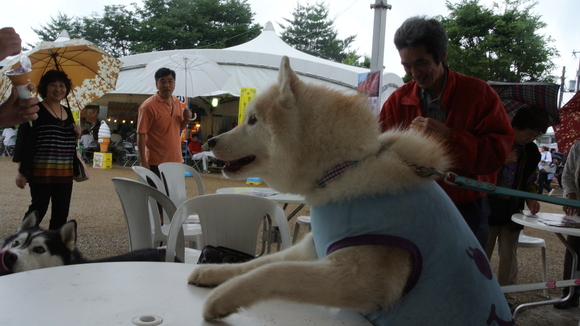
<point>378,51</point>
<point>380,24</point>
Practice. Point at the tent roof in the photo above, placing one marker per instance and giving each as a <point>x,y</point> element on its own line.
<point>252,64</point>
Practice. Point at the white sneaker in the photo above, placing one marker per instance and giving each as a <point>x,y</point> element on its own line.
<point>551,192</point>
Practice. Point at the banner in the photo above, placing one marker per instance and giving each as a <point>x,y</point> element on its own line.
<point>246,95</point>
<point>183,100</point>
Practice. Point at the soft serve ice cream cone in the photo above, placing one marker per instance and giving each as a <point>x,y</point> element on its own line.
<point>20,78</point>
<point>104,136</point>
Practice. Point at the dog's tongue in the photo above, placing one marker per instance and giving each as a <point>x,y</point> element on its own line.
<point>3,268</point>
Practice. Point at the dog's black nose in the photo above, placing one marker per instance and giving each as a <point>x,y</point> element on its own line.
<point>9,259</point>
<point>212,142</point>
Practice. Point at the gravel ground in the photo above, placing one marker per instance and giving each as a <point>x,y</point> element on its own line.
<point>102,231</point>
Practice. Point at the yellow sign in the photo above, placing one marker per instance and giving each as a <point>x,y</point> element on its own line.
<point>246,95</point>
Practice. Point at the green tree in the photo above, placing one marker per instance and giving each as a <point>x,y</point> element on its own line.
<point>161,25</point>
<point>51,30</point>
<point>311,31</point>
<point>501,43</point>
<point>114,32</point>
<point>354,59</point>
<point>186,24</point>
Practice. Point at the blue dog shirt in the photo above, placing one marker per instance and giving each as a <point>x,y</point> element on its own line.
<point>452,282</point>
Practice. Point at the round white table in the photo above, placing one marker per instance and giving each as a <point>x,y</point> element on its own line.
<point>526,219</point>
<point>137,293</point>
<point>535,221</point>
<point>265,192</point>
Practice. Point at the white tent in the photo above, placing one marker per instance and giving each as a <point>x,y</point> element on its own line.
<point>253,64</point>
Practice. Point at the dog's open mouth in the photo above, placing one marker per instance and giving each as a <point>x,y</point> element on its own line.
<point>235,166</point>
<point>3,268</point>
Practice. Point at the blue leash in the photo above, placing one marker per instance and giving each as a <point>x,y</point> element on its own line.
<point>481,186</point>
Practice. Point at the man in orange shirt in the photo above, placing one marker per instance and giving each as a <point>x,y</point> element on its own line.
<point>160,123</point>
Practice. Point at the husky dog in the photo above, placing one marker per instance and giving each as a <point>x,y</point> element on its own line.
<point>385,241</point>
<point>32,247</point>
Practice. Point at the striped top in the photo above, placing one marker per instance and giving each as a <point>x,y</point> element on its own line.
<point>54,151</point>
<point>46,149</point>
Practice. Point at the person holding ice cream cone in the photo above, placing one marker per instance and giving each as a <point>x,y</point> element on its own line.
<point>15,110</point>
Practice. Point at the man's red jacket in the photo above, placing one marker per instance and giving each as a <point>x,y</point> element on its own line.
<point>481,133</point>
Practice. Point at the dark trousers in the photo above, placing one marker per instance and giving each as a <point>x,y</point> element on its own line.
<point>59,194</point>
<point>476,215</point>
<point>543,183</point>
<point>575,244</point>
<point>155,169</point>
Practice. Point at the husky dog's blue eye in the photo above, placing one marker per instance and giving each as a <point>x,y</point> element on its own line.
<point>15,244</point>
<point>252,120</point>
<point>38,250</point>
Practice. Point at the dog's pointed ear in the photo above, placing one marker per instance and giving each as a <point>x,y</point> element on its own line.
<point>31,220</point>
<point>288,81</point>
<point>68,234</point>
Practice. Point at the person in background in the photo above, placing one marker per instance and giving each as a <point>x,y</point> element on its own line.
<point>194,147</point>
<point>160,123</point>
<point>14,111</point>
<point>464,111</point>
<point>86,139</point>
<point>95,129</point>
<point>517,173</point>
<point>85,125</point>
<point>7,134</point>
<point>543,181</point>
<point>44,151</point>
<point>571,187</point>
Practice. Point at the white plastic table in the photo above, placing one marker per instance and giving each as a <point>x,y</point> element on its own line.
<point>137,293</point>
<point>535,221</point>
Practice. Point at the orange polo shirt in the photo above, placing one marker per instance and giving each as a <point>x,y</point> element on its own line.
<point>162,125</point>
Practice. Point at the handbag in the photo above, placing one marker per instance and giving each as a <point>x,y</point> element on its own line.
<point>548,168</point>
<point>222,255</point>
<point>80,171</point>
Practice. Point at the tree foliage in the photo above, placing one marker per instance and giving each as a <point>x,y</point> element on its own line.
<point>311,31</point>
<point>501,43</point>
<point>161,25</point>
<point>51,30</point>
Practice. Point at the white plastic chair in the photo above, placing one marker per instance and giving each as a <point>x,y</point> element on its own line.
<point>228,220</point>
<point>144,173</point>
<point>9,149</point>
<point>302,220</point>
<point>145,229</point>
<point>525,241</point>
<point>174,176</point>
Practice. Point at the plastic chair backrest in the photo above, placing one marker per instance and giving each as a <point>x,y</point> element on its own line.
<point>144,230</point>
<point>228,220</point>
<point>12,140</point>
<point>144,173</point>
<point>174,176</point>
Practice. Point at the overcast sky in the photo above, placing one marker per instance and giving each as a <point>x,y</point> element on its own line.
<point>352,17</point>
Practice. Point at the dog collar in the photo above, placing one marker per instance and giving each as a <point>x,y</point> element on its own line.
<point>334,173</point>
<point>339,169</point>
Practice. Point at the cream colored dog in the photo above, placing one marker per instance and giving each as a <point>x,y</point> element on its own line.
<point>325,145</point>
